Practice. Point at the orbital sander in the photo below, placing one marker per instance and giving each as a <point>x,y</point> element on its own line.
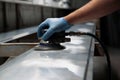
<point>54,42</point>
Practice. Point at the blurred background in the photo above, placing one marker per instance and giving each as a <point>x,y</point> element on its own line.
<point>20,14</point>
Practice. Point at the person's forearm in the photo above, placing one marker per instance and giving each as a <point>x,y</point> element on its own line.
<point>92,10</point>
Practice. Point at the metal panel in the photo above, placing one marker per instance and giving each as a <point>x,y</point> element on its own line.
<point>78,3</point>
<point>19,16</point>
<point>12,35</point>
<point>1,17</point>
<point>63,4</point>
<point>47,12</point>
<point>15,49</point>
<point>10,16</point>
<point>68,64</point>
<point>29,15</point>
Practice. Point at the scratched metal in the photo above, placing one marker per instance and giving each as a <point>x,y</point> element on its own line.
<point>68,64</point>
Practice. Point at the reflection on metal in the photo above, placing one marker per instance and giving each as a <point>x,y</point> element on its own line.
<point>17,44</point>
<point>12,35</point>
<point>15,49</point>
<point>64,4</point>
<point>71,63</point>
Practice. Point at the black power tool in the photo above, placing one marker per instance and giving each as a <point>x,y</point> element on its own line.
<point>57,38</point>
<point>53,43</point>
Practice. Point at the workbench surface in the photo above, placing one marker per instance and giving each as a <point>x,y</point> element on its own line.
<point>15,34</point>
<point>72,63</point>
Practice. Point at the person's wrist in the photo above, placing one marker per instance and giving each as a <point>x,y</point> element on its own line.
<point>68,19</point>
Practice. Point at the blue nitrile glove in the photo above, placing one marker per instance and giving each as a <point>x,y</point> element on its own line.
<point>54,24</point>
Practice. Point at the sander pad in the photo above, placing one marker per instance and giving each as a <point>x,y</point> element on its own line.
<point>53,43</point>
<point>48,46</point>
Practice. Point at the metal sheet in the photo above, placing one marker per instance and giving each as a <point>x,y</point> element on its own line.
<point>15,49</point>
<point>63,4</point>
<point>68,64</point>
<point>12,35</point>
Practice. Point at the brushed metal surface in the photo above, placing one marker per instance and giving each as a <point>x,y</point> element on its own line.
<point>14,49</point>
<point>12,35</point>
<point>47,3</point>
<point>68,64</point>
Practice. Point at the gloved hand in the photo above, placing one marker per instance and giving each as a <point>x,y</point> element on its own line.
<point>54,24</point>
